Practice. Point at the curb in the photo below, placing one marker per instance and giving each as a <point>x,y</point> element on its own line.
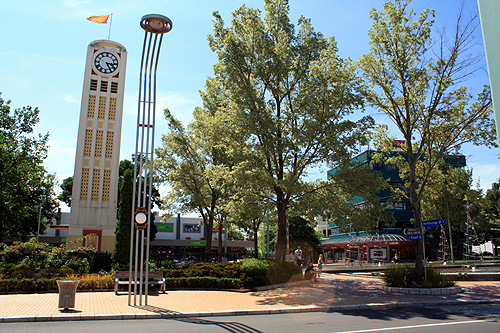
<point>250,312</point>
<point>424,291</point>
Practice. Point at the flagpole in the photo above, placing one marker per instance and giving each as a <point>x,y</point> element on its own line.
<point>110,22</point>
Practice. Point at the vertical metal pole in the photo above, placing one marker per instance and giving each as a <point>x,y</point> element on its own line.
<point>154,25</point>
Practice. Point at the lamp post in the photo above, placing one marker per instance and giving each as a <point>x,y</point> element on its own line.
<point>155,27</point>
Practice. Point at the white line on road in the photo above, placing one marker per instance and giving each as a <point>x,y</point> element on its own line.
<point>418,326</point>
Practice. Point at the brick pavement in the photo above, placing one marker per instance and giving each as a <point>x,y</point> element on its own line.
<point>330,293</point>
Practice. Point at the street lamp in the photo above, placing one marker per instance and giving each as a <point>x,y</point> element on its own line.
<point>155,27</point>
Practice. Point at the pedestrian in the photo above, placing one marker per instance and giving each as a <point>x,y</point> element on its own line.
<point>320,264</point>
<point>298,256</point>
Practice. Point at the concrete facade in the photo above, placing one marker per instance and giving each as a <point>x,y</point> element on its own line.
<point>95,181</point>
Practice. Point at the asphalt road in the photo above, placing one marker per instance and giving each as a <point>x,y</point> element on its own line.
<point>466,318</point>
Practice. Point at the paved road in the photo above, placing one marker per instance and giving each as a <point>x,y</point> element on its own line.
<point>467,318</point>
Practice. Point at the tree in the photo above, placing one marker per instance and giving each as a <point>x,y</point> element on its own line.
<point>449,193</point>
<point>121,251</point>
<point>289,94</point>
<point>416,84</point>
<point>302,234</point>
<point>193,164</point>
<point>26,188</point>
<point>67,190</point>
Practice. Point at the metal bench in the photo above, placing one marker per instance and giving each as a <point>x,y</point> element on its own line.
<point>156,277</point>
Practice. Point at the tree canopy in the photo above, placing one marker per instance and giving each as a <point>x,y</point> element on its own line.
<point>289,96</point>
<point>26,188</point>
<point>417,82</point>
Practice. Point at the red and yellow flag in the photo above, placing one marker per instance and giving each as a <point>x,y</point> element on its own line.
<point>98,19</point>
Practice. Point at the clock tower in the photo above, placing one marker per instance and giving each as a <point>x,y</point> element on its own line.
<point>95,181</point>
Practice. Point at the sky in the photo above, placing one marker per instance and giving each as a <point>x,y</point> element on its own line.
<point>44,45</point>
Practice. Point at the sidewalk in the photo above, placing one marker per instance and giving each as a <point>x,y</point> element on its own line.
<point>331,293</point>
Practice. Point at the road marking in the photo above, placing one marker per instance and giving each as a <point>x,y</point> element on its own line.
<point>418,326</point>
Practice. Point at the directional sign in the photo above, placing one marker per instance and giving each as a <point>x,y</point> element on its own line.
<point>412,231</point>
<point>415,237</point>
<point>433,223</point>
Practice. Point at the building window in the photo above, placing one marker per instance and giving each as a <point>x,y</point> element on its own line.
<point>106,185</point>
<point>101,114</point>
<point>104,86</point>
<point>114,87</point>
<point>96,182</point>
<point>98,143</point>
<point>112,108</point>
<point>109,144</point>
<point>87,148</point>
<point>93,84</point>
<point>91,107</point>
<point>85,184</point>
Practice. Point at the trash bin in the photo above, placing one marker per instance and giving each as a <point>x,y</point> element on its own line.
<point>67,293</point>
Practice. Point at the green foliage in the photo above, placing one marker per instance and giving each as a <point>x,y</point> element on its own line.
<point>202,282</point>
<point>262,272</point>
<point>302,233</point>
<point>121,252</point>
<point>25,185</point>
<point>415,82</point>
<point>287,100</point>
<point>67,189</point>
<point>226,270</point>
<point>33,255</point>
<point>403,275</point>
<point>26,284</point>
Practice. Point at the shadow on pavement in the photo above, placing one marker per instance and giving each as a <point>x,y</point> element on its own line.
<point>228,326</point>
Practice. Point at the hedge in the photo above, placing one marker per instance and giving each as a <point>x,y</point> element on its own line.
<point>202,282</point>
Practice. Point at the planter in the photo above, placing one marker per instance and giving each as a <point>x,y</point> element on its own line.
<point>187,238</point>
<point>67,293</point>
<point>203,238</point>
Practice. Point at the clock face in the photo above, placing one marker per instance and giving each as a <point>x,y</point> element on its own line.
<point>106,62</point>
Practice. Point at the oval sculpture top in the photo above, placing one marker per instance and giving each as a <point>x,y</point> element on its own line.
<point>156,23</point>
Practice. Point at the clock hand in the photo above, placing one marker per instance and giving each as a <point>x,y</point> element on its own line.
<point>110,65</point>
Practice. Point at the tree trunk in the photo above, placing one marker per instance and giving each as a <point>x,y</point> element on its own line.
<point>256,242</point>
<point>220,241</point>
<point>281,239</point>
<point>417,217</point>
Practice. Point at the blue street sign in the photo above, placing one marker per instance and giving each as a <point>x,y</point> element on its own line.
<point>433,223</point>
<point>414,237</point>
<point>429,227</point>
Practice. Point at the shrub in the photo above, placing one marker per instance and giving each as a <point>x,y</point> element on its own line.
<point>202,282</point>
<point>403,276</point>
<point>226,269</point>
<point>261,272</point>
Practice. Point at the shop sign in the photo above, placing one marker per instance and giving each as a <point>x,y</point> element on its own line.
<point>165,227</point>
<point>197,242</point>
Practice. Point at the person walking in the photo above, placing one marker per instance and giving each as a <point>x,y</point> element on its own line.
<point>298,256</point>
<point>320,264</point>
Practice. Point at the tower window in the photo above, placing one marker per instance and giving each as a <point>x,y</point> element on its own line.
<point>104,86</point>
<point>112,109</point>
<point>85,184</point>
<point>98,143</point>
<point>114,87</point>
<point>106,184</point>
<point>93,84</point>
<point>96,181</point>
<point>102,108</point>
<point>109,144</point>
<point>87,147</point>
<point>91,107</point>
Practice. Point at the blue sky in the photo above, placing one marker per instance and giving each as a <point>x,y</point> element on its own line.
<point>44,45</point>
